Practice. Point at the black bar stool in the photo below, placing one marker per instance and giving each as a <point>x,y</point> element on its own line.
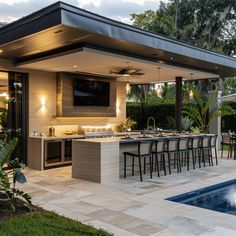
<point>213,142</point>
<point>173,150</point>
<point>225,140</point>
<point>160,150</point>
<point>206,150</point>
<point>144,151</point>
<point>195,149</point>
<point>184,150</point>
<point>232,144</point>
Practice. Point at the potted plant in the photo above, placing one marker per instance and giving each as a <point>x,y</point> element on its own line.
<point>126,125</point>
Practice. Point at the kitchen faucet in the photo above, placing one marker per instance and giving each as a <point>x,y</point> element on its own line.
<point>154,124</point>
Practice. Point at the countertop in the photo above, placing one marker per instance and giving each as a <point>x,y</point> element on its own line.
<point>58,137</point>
<point>117,138</point>
<point>132,140</point>
<point>77,136</point>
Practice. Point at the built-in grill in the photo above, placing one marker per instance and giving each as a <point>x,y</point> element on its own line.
<point>97,132</point>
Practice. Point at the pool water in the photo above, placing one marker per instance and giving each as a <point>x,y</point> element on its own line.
<point>220,197</point>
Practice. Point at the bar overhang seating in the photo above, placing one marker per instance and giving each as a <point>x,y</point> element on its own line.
<point>175,152</point>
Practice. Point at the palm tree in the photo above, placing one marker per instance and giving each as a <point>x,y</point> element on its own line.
<point>203,110</point>
<point>139,93</point>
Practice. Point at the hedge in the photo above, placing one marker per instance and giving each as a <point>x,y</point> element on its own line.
<point>140,114</point>
<point>160,112</point>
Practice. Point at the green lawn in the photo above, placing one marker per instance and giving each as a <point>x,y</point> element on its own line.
<point>46,224</point>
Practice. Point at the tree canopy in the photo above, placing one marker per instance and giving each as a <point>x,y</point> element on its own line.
<point>206,23</point>
<point>209,24</point>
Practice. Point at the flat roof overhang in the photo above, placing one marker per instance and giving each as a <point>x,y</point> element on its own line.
<point>61,27</point>
<point>91,61</point>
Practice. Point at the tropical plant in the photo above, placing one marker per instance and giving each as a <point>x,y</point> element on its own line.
<point>195,130</point>
<point>139,93</point>
<point>186,123</point>
<point>10,174</point>
<point>127,125</point>
<point>228,85</point>
<point>3,118</point>
<point>204,109</point>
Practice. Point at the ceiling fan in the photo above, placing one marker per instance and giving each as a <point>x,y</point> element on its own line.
<point>127,71</point>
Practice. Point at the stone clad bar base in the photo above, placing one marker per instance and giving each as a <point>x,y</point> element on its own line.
<point>95,160</point>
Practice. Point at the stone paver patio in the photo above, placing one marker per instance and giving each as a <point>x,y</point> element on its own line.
<point>130,207</point>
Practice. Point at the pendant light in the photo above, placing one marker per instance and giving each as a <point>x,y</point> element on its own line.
<point>190,94</point>
<point>159,91</point>
<point>159,88</point>
<point>128,87</point>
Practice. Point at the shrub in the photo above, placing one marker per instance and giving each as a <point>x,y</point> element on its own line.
<point>10,174</point>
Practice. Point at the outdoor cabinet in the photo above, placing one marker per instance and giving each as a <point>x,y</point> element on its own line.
<point>57,152</point>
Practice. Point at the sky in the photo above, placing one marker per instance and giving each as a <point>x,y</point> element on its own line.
<point>120,10</point>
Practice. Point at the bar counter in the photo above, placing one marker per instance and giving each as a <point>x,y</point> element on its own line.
<point>100,159</point>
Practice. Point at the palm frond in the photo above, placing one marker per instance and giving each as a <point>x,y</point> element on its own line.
<point>6,150</point>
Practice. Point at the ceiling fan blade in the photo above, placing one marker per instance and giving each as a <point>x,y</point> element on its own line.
<point>139,73</point>
<point>127,71</point>
<point>132,70</point>
<point>114,71</point>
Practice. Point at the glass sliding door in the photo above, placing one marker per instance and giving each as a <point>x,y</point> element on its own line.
<point>13,109</point>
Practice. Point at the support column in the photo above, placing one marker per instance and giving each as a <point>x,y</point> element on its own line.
<point>215,123</point>
<point>178,103</point>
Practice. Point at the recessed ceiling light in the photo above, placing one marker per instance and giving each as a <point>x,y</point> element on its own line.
<point>1,50</point>
<point>75,66</point>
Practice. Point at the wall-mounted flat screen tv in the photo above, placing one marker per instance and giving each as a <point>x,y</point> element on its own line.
<point>91,93</point>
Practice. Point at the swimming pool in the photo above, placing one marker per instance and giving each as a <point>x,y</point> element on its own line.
<point>220,197</point>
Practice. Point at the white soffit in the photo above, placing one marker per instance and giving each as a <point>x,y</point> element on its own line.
<point>231,97</point>
<point>100,62</point>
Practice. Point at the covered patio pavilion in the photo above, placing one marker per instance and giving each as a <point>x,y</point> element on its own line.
<point>65,38</point>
